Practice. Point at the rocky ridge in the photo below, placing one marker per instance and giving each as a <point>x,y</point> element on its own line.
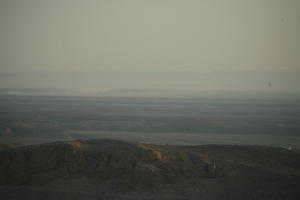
<point>118,169</point>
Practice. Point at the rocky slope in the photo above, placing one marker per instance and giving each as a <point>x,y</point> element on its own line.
<point>110,169</point>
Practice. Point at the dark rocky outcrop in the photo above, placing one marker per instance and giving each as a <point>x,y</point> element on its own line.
<point>117,167</point>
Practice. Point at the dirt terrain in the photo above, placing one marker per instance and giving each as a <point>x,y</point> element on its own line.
<point>113,169</point>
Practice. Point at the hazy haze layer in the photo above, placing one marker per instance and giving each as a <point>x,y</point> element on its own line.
<point>160,35</point>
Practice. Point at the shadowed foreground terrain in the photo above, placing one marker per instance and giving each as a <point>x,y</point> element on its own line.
<point>111,169</point>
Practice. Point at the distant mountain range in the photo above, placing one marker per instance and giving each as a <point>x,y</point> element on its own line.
<point>149,82</point>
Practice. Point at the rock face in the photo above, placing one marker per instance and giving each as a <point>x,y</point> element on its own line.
<point>117,168</point>
<point>147,165</point>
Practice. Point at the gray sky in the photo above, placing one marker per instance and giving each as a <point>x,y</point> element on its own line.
<point>195,35</point>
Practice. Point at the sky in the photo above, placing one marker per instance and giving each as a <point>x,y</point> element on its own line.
<point>194,35</point>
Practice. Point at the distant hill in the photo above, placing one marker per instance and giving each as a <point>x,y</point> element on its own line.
<point>150,82</point>
<point>110,169</point>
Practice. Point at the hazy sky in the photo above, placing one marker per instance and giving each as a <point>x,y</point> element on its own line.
<point>149,34</point>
